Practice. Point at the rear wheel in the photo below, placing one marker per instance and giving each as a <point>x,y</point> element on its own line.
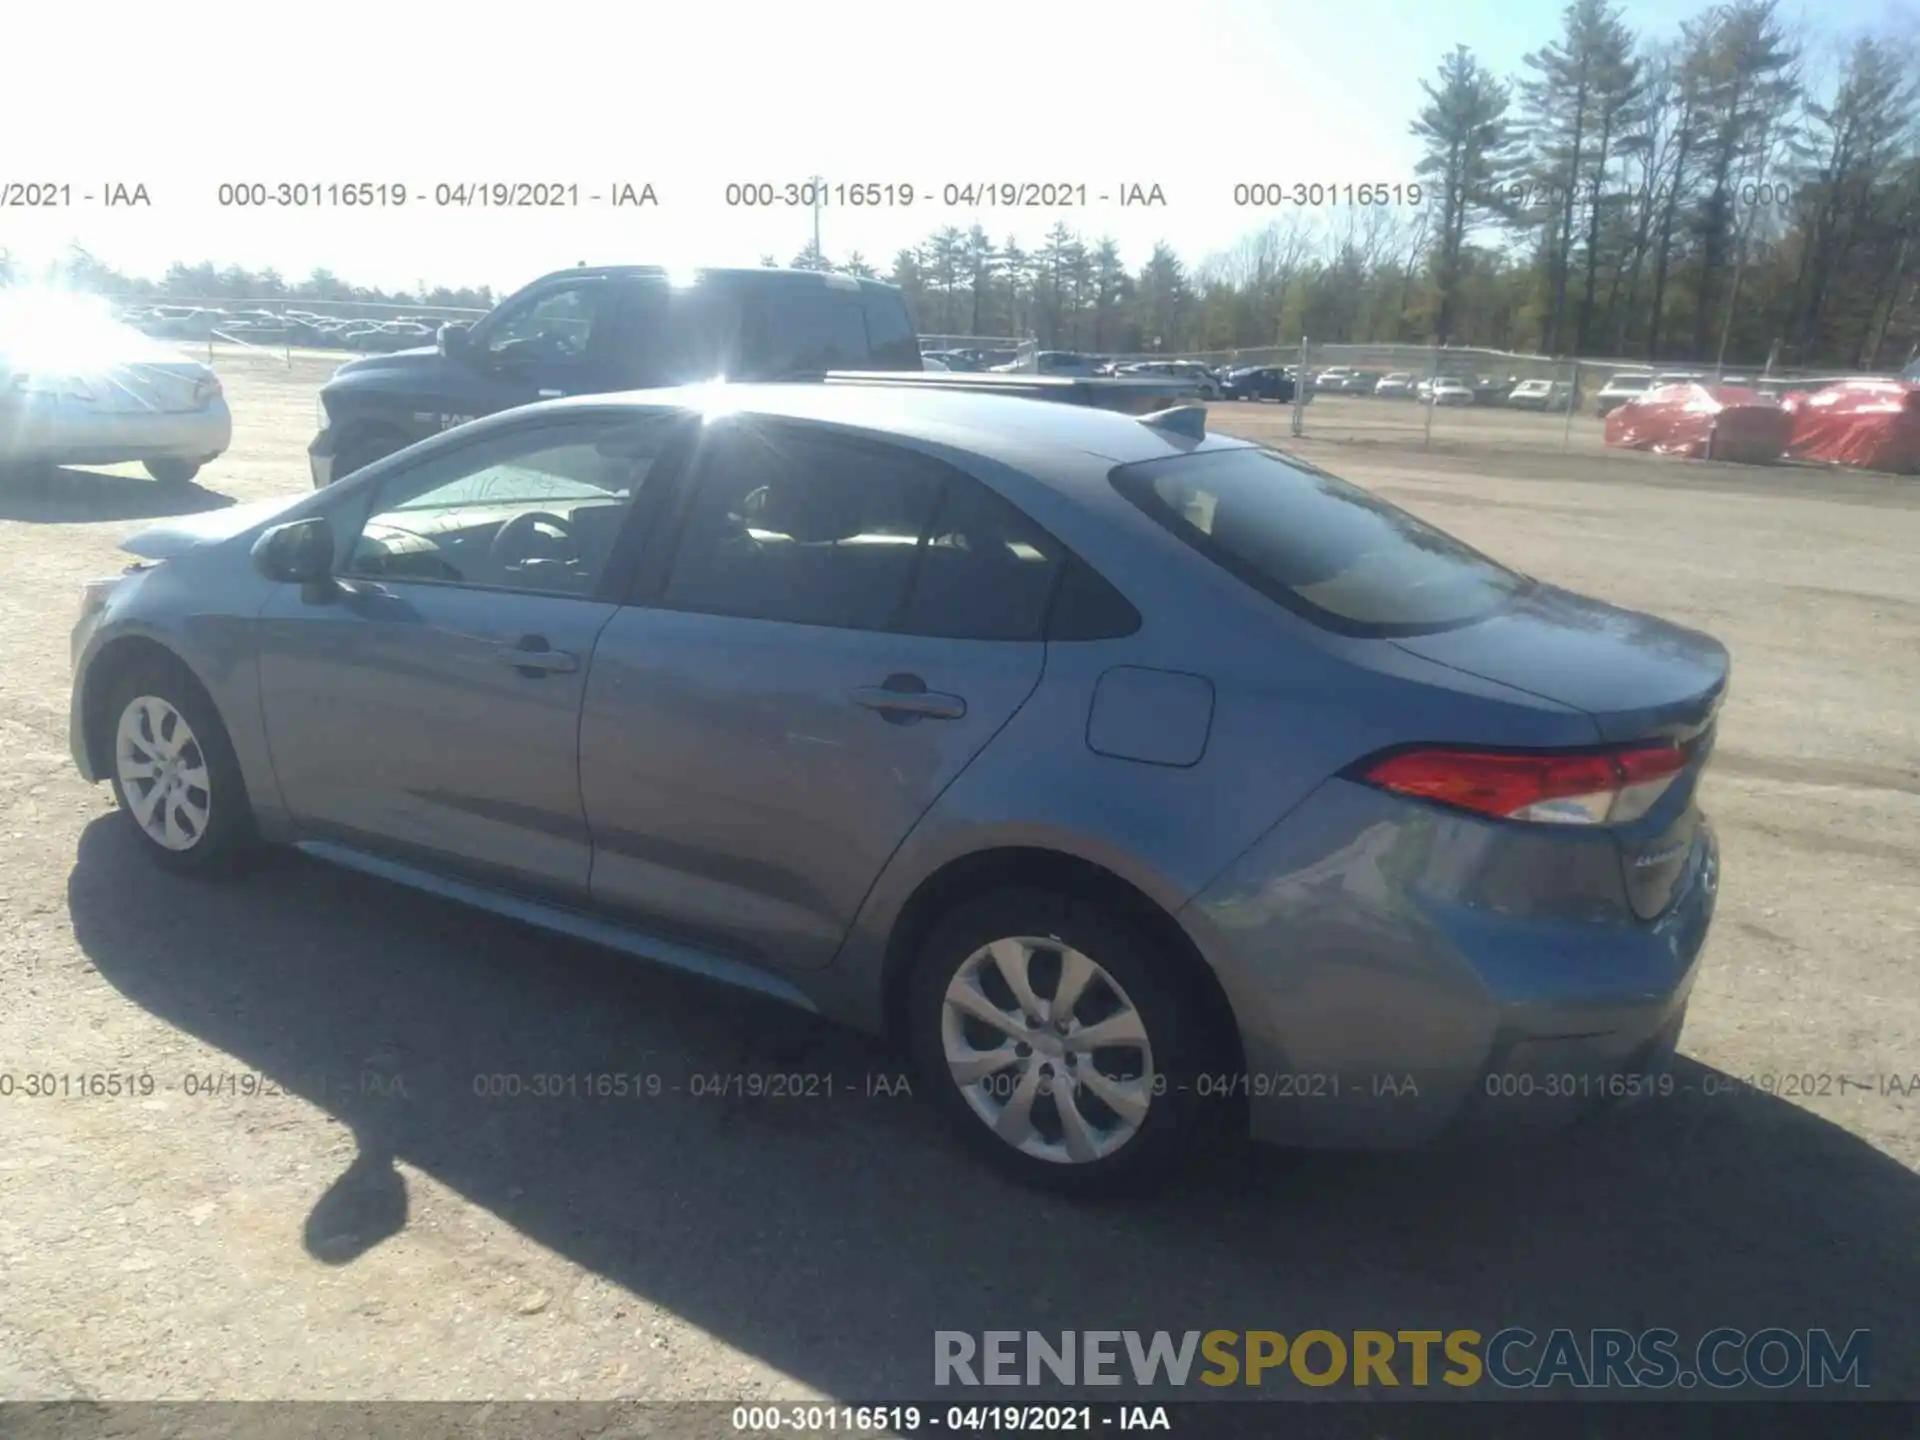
<point>173,770</point>
<point>1059,1042</point>
<point>173,473</point>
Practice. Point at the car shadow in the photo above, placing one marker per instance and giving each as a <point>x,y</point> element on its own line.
<point>67,496</point>
<point>832,1234</point>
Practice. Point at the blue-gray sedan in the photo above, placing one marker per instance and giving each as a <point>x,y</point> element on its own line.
<point>1135,780</point>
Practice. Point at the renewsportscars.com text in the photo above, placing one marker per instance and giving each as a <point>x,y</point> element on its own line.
<point>1512,1359</point>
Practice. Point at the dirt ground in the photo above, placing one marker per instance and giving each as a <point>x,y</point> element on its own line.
<point>316,1203</point>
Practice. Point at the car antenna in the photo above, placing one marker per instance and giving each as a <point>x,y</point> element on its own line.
<point>1187,420</point>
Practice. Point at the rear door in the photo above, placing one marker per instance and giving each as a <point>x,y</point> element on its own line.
<point>676,334</point>
<point>804,325</point>
<point>842,628</point>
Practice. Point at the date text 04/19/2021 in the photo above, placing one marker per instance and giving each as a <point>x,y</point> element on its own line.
<point>954,1419</point>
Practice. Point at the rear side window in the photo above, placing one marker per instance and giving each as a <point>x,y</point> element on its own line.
<point>812,327</point>
<point>810,532</point>
<point>815,530</point>
<point>1330,551</point>
<point>890,334</point>
<point>984,572</point>
<point>677,334</point>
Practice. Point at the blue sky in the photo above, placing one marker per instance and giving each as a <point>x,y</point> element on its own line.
<point>689,98</point>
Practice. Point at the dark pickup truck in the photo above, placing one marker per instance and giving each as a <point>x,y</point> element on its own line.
<point>633,327</point>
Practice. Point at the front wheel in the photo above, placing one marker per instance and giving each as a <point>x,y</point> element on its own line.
<point>174,772</point>
<point>1058,1040</point>
<point>173,473</point>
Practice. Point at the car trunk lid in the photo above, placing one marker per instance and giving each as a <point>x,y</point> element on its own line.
<point>1639,678</point>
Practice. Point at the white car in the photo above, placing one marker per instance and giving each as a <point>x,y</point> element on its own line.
<point>1191,371</point>
<point>1448,391</point>
<point>1628,385</point>
<point>1540,395</point>
<point>78,387</point>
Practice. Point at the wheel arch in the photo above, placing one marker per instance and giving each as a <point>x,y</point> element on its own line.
<point>968,877</point>
<point>114,659</point>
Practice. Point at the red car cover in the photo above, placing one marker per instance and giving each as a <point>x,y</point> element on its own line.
<point>1700,422</point>
<point>1874,424</point>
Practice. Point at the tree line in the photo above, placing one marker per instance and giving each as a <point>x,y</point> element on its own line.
<point>1706,199</point>
<point>81,270</point>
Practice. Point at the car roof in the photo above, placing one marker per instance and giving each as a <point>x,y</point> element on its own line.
<point>1013,430</point>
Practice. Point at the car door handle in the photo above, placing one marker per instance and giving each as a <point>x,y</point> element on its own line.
<point>906,697</point>
<point>551,394</point>
<point>531,655</point>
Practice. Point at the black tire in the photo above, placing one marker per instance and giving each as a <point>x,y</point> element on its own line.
<point>174,474</point>
<point>1161,993</point>
<point>222,844</point>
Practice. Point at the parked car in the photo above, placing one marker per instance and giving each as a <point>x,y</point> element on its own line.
<point>1258,382</point>
<point>77,387</point>
<point>1620,388</point>
<point>1399,385</point>
<point>1540,395</point>
<point>1450,390</point>
<point>585,331</point>
<point>1058,362</point>
<point>1191,370</point>
<point>1346,380</point>
<point>953,717</point>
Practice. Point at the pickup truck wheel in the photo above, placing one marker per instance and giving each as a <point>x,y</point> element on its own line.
<point>173,474</point>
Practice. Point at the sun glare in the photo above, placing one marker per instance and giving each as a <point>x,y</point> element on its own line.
<point>60,332</point>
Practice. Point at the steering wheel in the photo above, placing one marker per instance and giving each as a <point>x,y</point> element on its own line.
<point>510,540</point>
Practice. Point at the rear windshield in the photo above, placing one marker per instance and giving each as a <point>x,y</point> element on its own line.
<point>1330,551</point>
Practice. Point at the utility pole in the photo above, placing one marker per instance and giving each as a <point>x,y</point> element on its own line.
<point>819,198</point>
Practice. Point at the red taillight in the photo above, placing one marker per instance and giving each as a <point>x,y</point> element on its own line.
<point>1584,787</point>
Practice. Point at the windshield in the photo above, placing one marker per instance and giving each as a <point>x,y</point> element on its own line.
<point>1327,549</point>
<point>1630,382</point>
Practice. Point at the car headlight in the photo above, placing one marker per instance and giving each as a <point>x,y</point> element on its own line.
<point>207,390</point>
<point>320,406</point>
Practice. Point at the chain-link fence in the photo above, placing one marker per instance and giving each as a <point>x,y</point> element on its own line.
<point>1437,395</point>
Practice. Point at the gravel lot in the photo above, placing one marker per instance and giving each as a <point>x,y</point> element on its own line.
<point>345,1217</point>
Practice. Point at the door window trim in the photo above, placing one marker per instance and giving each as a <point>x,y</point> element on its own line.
<point>661,479</point>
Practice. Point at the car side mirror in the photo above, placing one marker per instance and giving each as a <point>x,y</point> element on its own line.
<point>297,553</point>
<point>454,341</point>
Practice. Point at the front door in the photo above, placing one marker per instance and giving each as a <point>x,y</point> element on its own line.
<point>553,341</point>
<point>429,706</point>
<point>843,626</point>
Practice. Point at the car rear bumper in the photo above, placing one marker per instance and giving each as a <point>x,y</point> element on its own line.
<point>1392,989</point>
<point>63,433</point>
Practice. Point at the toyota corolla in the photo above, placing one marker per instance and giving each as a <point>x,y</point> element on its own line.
<point>1136,780</point>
